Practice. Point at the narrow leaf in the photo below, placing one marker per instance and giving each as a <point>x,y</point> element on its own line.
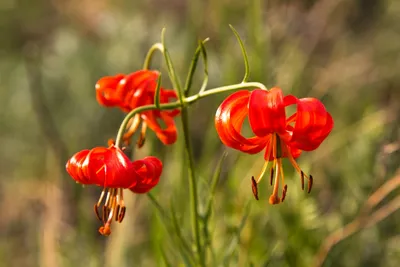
<point>167,263</point>
<point>158,90</point>
<point>170,67</point>
<point>205,63</point>
<point>193,66</point>
<point>182,242</point>
<point>246,61</point>
<point>236,236</point>
<point>214,183</point>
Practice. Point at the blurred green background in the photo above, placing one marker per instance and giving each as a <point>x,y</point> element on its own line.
<point>344,52</point>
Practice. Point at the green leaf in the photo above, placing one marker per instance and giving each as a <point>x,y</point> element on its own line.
<point>165,259</point>
<point>205,62</point>
<point>157,94</point>
<point>236,236</point>
<point>170,67</point>
<point>193,65</point>
<point>246,61</point>
<point>214,183</point>
<point>182,242</point>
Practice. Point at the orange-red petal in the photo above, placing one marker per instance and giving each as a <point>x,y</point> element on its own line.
<point>74,166</point>
<point>267,112</point>
<point>106,90</point>
<point>166,135</point>
<point>312,124</point>
<point>148,171</point>
<point>229,121</point>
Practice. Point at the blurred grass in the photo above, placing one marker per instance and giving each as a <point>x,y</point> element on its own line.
<point>344,52</point>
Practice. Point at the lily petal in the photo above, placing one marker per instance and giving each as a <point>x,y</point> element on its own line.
<point>106,93</point>
<point>166,135</point>
<point>267,112</point>
<point>148,172</point>
<point>312,125</point>
<point>229,121</point>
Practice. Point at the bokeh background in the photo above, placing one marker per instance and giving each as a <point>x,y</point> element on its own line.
<point>344,52</point>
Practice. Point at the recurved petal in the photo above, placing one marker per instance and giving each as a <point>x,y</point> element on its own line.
<point>229,121</point>
<point>136,80</point>
<point>312,124</point>
<point>106,90</point>
<point>74,167</point>
<point>94,166</point>
<point>267,111</point>
<point>166,135</point>
<point>148,171</point>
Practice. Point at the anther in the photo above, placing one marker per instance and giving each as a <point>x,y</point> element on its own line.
<point>310,183</point>
<point>254,187</point>
<point>284,193</point>
<point>271,176</point>
<point>96,211</point>
<point>140,141</point>
<point>117,212</point>
<point>302,180</point>
<point>104,215</point>
<point>122,214</point>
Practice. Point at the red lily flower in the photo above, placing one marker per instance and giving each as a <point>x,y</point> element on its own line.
<point>134,90</point>
<point>111,169</point>
<point>280,136</point>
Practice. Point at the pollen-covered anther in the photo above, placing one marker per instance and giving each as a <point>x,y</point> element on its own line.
<point>302,180</point>
<point>254,187</point>
<point>310,183</point>
<point>142,136</point>
<point>284,191</point>
<point>271,177</point>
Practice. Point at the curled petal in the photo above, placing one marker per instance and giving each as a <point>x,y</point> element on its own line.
<point>229,121</point>
<point>135,88</point>
<point>106,90</point>
<point>267,112</point>
<point>166,135</point>
<point>148,171</point>
<point>74,167</point>
<point>312,124</point>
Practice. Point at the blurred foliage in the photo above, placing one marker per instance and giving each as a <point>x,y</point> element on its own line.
<point>344,52</point>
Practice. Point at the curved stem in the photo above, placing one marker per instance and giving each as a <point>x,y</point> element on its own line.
<point>155,47</point>
<point>178,104</point>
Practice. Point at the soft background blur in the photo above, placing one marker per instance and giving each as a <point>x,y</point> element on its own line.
<point>344,52</point>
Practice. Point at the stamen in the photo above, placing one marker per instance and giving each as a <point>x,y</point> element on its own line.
<point>254,187</point>
<point>284,192</point>
<point>271,176</point>
<point>142,136</point>
<point>117,212</point>
<point>101,196</point>
<point>302,180</point>
<point>132,126</point>
<point>310,183</point>
<point>122,214</point>
<point>104,214</point>
<point>96,211</point>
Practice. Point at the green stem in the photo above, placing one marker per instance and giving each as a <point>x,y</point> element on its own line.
<point>192,186</point>
<point>155,47</point>
<point>177,104</point>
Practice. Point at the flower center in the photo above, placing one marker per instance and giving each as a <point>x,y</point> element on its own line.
<point>113,207</point>
<point>276,171</point>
